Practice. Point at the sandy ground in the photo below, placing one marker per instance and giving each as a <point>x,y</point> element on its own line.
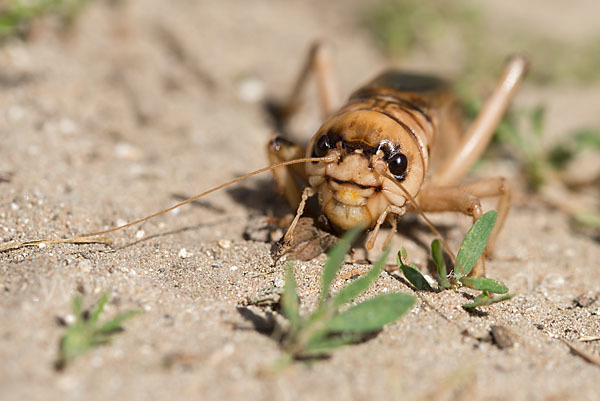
<point>145,103</point>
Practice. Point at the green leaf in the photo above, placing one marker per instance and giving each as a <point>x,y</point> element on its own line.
<point>77,312</point>
<point>440,263</point>
<point>538,115</point>
<point>116,323</point>
<point>587,218</point>
<point>84,335</point>
<point>474,243</point>
<point>322,344</point>
<point>587,138</point>
<point>412,273</point>
<point>335,260</point>
<point>479,300</point>
<point>484,299</point>
<point>372,314</point>
<point>484,284</point>
<point>358,286</point>
<point>99,309</point>
<point>289,298</point>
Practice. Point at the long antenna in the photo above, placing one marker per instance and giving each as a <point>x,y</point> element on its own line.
<point>86,238</point>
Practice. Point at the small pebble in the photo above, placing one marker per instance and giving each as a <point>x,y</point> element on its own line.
<point>85,266</point>
<point>214,266</point>
<point>584,300</point>
<point>183,253</point>
<point>14,206</point>
<point>67,126</point>
<point>502,337</point>
<point>233,268</point>
<point>140,234</point>
<point>15,113</point>
<point>41,245</point>
<point>225,243</point>
<point>279,283</point>
<point>251,89</point>
<point>128,152</point>
<point>70,319</point>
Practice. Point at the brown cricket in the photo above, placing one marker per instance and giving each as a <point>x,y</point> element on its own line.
<point>397,145</point>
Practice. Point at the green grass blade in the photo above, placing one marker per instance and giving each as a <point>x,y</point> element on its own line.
<point>372,314</point>
<point>412,273</point>
<point>484,299</point>
<point>77,311</point>
<point>501,298</point>
<point>289,298</point>
<point>99,309</point>
<point>474,243</point>
<point>115,324</point>
<point>75,342</point>
<point>440,263</point>
<point>479,300</point>
<point>335,260</point>
<point>358,286</point>
<point>484,284</point>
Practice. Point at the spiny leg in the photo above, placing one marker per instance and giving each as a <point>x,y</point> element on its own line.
<point>481,130</point>
<point>391,209</point>
<point>307,193</point>
<point>319,63</point>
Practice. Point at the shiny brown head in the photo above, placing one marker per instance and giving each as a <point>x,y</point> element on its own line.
<point>367,145</point>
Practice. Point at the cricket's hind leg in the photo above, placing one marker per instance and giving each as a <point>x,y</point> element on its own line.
<point>479,134</point>
<point>318,63</point>
<point>443,194</point>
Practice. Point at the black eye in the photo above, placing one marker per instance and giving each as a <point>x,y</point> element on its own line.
<point>322,146</point>
<point>398,165</point>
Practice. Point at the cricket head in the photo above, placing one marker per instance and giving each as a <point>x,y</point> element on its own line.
<point>371,154</point>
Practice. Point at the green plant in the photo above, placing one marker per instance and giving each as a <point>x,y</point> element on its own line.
<point>87,333</point>
<point>403,26</point>
<point>470,251</point>
<point>16,16</point>
<point>329,326</point>
<point>521,132</point>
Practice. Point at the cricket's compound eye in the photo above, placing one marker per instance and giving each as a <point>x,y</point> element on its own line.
<point>322,146</point>
<point>398,165</point>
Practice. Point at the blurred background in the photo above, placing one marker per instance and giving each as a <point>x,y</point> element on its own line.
<point>113,109</point>
<point>200,70</point>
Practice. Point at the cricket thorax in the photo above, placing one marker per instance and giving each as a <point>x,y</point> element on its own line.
<point>372,154</point>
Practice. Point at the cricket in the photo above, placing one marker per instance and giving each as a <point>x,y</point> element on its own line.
<point>397,145</point>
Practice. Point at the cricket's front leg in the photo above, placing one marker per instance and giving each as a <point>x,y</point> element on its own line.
<point>465,199</point>
<point>287,178</point>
